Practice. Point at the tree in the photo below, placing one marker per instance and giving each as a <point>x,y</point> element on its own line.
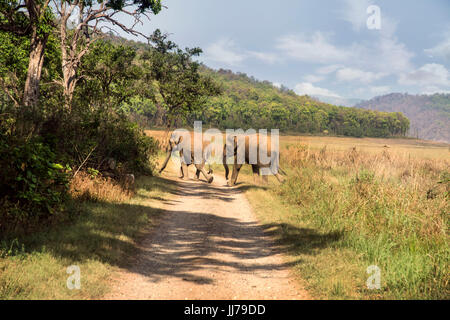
<point>13,65</point>
<point>32,18</point>
<point>182,88</point>
<point>110,75</point>
<point>92,18</point>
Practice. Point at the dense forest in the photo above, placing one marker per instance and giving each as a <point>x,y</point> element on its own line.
<point>247,102</point>
<point>429,114</point>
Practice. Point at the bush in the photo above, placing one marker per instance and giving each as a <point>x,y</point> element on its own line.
<point>99,135</point>
<point>33,186</point>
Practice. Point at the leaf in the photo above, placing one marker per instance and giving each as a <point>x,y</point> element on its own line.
<point>56,166</point>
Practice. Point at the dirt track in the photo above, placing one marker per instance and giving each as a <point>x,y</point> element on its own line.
<point>209,245</point>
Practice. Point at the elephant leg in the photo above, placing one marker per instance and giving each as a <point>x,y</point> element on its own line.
<point>234,175</point>
<point>277,174</point>
<point>255,171</point>
<point>184,169</point>
<point>201,168</point>
<point>279,178</point>
<point>264,171</point>
<point>197,174</point>
<point>181,173</point>
<point>225,165</point>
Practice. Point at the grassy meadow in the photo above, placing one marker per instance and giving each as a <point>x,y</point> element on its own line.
<point>350,203</point>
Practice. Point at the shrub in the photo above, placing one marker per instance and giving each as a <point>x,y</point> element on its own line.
<point>95,136</point>
<point>33,186</point>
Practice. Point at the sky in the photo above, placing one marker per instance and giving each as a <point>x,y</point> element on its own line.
<point>339,48</point>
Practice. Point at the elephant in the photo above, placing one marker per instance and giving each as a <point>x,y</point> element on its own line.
<point>250,141</point>
<point>175,145</point>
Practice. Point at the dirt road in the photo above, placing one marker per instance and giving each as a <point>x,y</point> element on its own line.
<point>209,245</point>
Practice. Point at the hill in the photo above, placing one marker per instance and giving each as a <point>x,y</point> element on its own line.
<point>347,102</point>
<point>246,102</point>
<point>429,114</point>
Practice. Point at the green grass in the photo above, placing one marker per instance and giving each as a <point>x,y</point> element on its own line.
<point>337,220</point>
<point>98,241</point>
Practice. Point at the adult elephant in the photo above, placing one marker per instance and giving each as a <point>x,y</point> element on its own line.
<point>187,157</point>
<point>248,149</point>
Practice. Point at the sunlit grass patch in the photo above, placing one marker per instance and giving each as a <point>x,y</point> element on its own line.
<point>382,209</point>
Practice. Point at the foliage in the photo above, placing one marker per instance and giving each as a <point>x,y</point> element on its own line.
<point>33,186</point>
<point>110,76</point>
<point>13,64</point>
<point>247,103</point>
<point>182,88</point>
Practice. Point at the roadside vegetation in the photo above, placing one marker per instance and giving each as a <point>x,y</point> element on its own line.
<point>340,211</point>
<point>100,238</point>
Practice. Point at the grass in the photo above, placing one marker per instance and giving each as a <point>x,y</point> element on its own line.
<point>359,208</point>
<point>98,242</point>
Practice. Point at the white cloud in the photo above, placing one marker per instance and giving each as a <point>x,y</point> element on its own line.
<point>224,51</point>
<point>428,75</point>
<point>352,74</point>
<point>377,90</point>
<point>309,89</point>
<point>276,84</point>
<point>316,48</point>
<point>442,49</point>
<point>355,12</point>
<point>313,78</point>
<point>391,56</point>
<point>434,89</point>
<point>263,56</point>
<point>385,55</point>
<point>328,69</point>
<point>227,52</point>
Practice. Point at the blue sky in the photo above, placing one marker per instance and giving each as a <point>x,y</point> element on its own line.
<point>319,47</point>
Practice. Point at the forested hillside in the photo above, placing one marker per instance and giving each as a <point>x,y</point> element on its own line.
<point>429,114</point>
<point>247,102</point>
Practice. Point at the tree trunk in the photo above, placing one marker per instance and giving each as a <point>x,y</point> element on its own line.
<point>31,92</point>
<point>68,68</point>
<point>69,75</point>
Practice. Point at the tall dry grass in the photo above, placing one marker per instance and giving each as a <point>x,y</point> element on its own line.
<point>391,209</point>
<point>85,186</point>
